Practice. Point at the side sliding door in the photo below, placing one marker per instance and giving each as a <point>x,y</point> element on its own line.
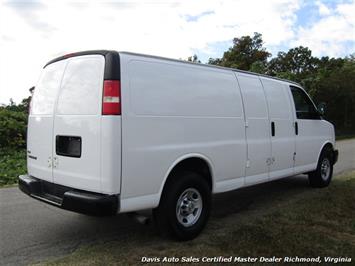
<point>257,129</point>
<point>281,126</point>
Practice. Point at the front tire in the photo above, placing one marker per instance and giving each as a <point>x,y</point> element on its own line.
<point>184,206</point>
<point>322,176</point>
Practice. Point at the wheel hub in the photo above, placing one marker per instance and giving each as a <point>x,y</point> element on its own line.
<point>189,207</point>
<point>325,169</point>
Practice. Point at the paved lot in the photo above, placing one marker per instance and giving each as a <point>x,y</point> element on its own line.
<point>31,231</point>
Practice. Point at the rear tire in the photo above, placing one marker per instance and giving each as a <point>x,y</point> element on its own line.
<point>322,176</point>
<point>184,206</point>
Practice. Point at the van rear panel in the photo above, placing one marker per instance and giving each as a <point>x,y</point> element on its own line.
<point>71,143</point>
<point>111,154</point>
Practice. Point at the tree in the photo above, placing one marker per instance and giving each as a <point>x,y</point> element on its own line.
<point>258,67</point>
<point>335,85</point>
<point>21,107</point>
<point>193,59</point>
<point>215,61</point>
<point>297,64</point>
<point>244,53</point>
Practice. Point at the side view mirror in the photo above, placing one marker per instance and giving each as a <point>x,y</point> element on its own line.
<point>321,108</point>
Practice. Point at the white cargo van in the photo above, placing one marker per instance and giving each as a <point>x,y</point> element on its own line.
<point>112,132</point>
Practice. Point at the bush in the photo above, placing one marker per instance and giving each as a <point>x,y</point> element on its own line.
<point>13,126</point>
<point>12,164</point>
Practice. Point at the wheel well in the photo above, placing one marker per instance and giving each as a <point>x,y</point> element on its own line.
<point>196,165</point>
<point>326,147</point>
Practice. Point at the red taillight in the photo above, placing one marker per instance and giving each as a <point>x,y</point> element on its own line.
<point>111,99</point>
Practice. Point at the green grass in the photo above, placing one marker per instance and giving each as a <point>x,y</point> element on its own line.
<point>12,164</point>
<point>316,222</point>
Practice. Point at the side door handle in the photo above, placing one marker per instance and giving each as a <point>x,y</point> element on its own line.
<point>296,128</point>
<point>273,129</point>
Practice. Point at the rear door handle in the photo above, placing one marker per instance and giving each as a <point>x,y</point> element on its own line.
<point>296,128</point>
<point>272,129</point>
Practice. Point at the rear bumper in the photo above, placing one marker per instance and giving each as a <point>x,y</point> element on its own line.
<point>69,198</point>
<point>335,156</point>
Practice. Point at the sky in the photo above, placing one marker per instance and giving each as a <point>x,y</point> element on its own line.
<point>34,32</point>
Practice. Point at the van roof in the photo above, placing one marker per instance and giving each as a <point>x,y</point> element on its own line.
<point>211,66</point>
<point>112,52</point>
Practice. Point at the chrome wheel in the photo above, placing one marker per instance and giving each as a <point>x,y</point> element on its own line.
<point>189,207</point>
<point>325,169</point>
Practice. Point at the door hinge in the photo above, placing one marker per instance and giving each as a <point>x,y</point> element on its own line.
<point>55,162</point>
<point>49,161</point>
<point>246,123</point>
<point>294,156</point>
<point>248,163</point>
<point>270,161</point>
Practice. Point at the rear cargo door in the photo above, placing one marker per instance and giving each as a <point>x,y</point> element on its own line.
<point>40,122</point>
<point>77,124</point>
